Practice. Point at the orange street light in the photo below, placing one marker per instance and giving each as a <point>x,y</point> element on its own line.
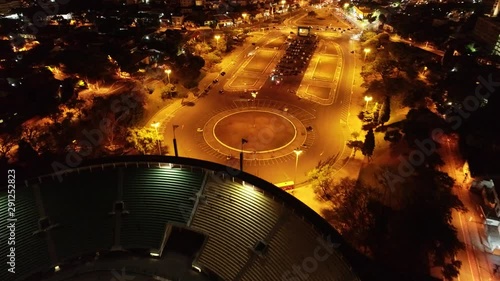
<point>217,37</point>
<point>297,152</point>
<point>168,71</point>
<point>367,50</point>
<point>367,99</point>
<point>156,125</point>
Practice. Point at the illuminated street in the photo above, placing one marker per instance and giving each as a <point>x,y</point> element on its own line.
<point>311,99</point>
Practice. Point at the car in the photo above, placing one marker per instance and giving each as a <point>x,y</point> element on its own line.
<point>215,81</point>
<point>199,130</point>
<point>222,73</point>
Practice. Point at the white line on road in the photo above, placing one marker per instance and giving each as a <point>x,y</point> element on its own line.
<point>466,250</point>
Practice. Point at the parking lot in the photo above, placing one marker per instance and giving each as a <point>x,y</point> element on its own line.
<point>297,56</point>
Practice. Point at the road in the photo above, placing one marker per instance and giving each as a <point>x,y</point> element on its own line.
<point>477,261</point>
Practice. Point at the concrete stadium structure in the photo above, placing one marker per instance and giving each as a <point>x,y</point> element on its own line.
<point>170,218</point>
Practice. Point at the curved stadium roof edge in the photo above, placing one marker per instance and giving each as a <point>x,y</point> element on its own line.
<point>365,268</point>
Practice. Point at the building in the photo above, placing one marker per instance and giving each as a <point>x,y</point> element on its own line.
<point>491,7</point>
<point>490,209</point>
<point>487,32</point>
<point>186,3</point>
<point>361,12</point>
<point>7,5</point>
<point>172,218</point>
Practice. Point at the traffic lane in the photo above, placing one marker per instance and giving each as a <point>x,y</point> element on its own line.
<point>348,72</point>
<point>189,120</point>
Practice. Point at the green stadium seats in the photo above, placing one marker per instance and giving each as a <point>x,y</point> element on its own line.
<point>154,197</point>
<point>31,250</point>
<point>235,217</point>
<point>80,205</point>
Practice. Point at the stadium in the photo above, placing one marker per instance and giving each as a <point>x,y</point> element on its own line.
<point>170,218</point>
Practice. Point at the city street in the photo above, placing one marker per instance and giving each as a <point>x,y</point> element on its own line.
<point>477,261</point>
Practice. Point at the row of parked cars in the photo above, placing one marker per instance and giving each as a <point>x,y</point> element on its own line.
<point>297,56</point>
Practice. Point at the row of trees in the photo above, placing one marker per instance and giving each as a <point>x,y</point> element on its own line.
<point>403,223</point>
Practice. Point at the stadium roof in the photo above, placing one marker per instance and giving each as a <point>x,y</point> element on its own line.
<point>68,203</point>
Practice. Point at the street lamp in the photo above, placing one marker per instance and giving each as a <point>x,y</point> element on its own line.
<point>243,141</point>
<point>367,99</point>
<point>244,15</point>
<point>175,140</point>
<point>366,53</point>
<point>254,95</point>
<point>168,71</point>
<point>297,152</point>
<point>217,37</point>
<point>156,125</point>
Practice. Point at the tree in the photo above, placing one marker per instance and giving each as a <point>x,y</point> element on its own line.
<point>355,145</point>
<point>369,144</point>
<point>26,154</point>
<point>212,58</point>
<point>202,48</point>
<point>7,142</point>
<point>385,111</point>
<point>351,213</point>
<point>431,225</point>
<point>382,19</point>
<point>321,178</point>
<point>355,135</point>
<point>312,14</point>
<point>145,140</point>
<point>393,136</point>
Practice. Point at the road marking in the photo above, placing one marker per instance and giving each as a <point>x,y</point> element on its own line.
<point>466,250</point>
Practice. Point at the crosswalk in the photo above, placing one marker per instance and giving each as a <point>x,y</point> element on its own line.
<point>305,117</point>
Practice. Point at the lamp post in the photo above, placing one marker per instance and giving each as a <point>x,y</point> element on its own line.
<point>367,99</point>
<point>217,37</point>
<point>156,125</point>
<point>243,141</point>
<point>425,70</point>
<point>254,95</point>
<point>297,152</point>
<point>168,71</point>
<point>366,53</point>
<point>175,140</point>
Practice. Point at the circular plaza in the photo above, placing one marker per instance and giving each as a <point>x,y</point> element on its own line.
<point>261,133</point>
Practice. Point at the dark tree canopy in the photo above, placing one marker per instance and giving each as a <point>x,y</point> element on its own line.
<point>369,144</point>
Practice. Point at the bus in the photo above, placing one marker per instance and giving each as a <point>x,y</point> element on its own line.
<point>286,185</point>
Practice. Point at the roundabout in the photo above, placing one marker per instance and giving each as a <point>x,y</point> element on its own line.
<point>265,131</point>
<point>269,133</point>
